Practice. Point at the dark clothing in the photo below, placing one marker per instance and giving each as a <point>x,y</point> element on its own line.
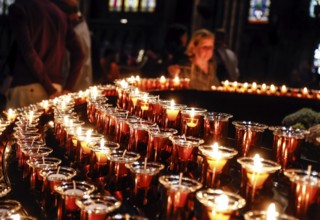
<point>43,33</point>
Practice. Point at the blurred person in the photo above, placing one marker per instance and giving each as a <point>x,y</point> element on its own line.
<point>227,61</point>
<point>42,34</point>
<point>201,68</point>
<point>80,26</point>
<point>109,62</point>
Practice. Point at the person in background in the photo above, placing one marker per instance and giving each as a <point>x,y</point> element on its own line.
<point>71,8</point>
<point>227,61</point>
<point>109,62</point>
<point>201,68</point>
<point>42,34</point>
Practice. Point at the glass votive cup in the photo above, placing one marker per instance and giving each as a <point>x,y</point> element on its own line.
<point>178,192</point>
<point>218,204</point>
<point>99,158</point>
<point>31,152</point>
<point>142,176</point>
<point>97,206</point>
<point>53,177</point>
<point>37,164</point>
<point>69,192</point>
<point>216,158</point>
<point>159,145</point>
<point>117,178</point>
<point>171,115</point>
<point>123,130</point>
<point>216,127</point>
<point>126,217</point>
<point>9,207</point>
<point>139,136</point>
<point>304,193</point>
<point>255,214</point>
<point>254,175</point>
<point>286,145</point>
<point>185,150</point>
<point>84,151</point>
<point>248,136</point>
<point>192,122</point>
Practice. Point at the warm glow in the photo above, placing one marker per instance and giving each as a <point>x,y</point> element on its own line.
<point>162,79</point>
<point>102,143</point>
<point>254,86</point>
<point>305,91</point>
<point>45,104</point>
<point>136,91</point>
<point>263,87</point>
<point>272,88</point>
<point>271,212</point>
<point>192,113</point>
<point>245,85</point>
<point>31,117</point>
<point>222,202</point>
<point>284,89</point>
<point>176,81</point>
<point>172,103</point>
<point>94,92</point>
<point>235,84</point>
<point>79,131</point>
<point>15,217</point>
<point>138,78</point>
<point>11,115</point>
<point>88,135</point>
<point>257,164</point>
<point>226,83</point>
<point>216,154</point>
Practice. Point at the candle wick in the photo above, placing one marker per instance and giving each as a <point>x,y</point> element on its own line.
<point>309,171</point>
<point>180,179</point>
<point>124,153</point>
<point>74,185</point>
<point>43,160</point>
<point>145,163</point>
<point>58,170</point>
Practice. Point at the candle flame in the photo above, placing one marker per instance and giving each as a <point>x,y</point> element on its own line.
<point>226,83</point>
<point>136,91</point>
<point>305,90</point>
<point>66,120</point>
<point>172,103</point>
<point>222,202</point>
<point>102,143</point>
<point>88,135</point>
<point>31,117</point>
<point>137,78</point>
<point>283,88</point>
<point>272,88</point>
<point>271,212</point>
<point>215,151</point>
<point>257,162</point>
<point>235,84</point>
<point>176,79</point>
<point>192,113</point>
<point>79,131</point>
<point>254,85</point>
<point>245,85</point>
<point>162,79</point>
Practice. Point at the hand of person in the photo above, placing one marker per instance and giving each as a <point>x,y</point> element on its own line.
<point>174,70</point>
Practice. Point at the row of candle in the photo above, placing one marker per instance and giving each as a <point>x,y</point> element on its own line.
<point>265,89</point>
<point>191,122</point>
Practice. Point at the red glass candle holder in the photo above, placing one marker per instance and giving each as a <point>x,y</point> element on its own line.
<point>192,122</point>
<point>248,136</point>
<point>216,127</point>
<point>160,146</point>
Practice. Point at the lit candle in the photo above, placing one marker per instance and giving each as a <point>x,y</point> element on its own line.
<point>101,154</point>
<point>45,105</point>
<point>31,114</point>
<point>272,89</point>
<point>254,86</point>
<point>176,81</point>
<point>256,175</point>
<point>284,89</point>
<point>263,88</point>
<point>172,112</point>
<point>215,161</point>
<point>192,122</point>
<point>162,80</point>
<point>226,84</point>
<point>145,104</point>
<point>245,86</point>
<point>85,143</point>
<point>221,207</point>
<point>11,115</point>
<point>305,92</point>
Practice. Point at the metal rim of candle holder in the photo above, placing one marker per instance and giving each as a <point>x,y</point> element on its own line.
<point>172,182</point>
<point>302,176</point>
<point>138,167</point>
<point>12,206</point>
<point>256,214</point>
<point>162,132</point>
<point>188,141</point>
<point>108,147</point>
<point>207,198</point>
<point>226,152</point>
<point>196,111</point>
<point>268,165</point>
<point>40,162</point>
<point>290,132</point>
<point>86,187</point>
<point>249,125</point>
<point>69,172</point>
<point>110,203</point>
<point>36,151</point>
<point>117,156</point>
<point>218,116</point>
<point>126,217</point>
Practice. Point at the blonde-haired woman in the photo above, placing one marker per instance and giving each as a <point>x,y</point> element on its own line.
<point>201,69</point>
